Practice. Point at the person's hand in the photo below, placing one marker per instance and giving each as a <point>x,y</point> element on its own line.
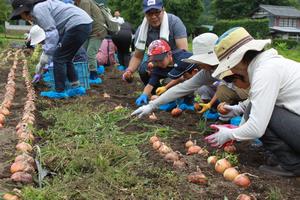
<point>205,107</point>
<point>44,59</point>
<point>36,78</point>
<point>222,136</point>
<point>234,111</point>
<point>127,76</point>
<point>161,90</point>
<point>143,110</point>
<point>143,99</point>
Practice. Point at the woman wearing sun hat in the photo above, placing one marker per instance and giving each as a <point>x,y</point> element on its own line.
<point>274,98</point>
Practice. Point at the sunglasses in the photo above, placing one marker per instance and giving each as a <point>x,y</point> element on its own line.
<point>153,12</point>
<point>232,78</point>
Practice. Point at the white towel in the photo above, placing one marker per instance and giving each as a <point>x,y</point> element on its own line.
<point>163,33</point>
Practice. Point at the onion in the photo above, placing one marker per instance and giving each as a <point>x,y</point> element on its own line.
<point>164,149</point>
<point>243,197</point>
<point>197,177</point>
<point>189,143</point>
<point>25,158</point>
<point>118,107</point>
<point>153,117</point>
<point>221,109</point>
<point>197,106</point>
<point>153,139</point>
<point>172,156</point>
<point>21,167</point>
<point>8,196</point>
<point>176,112</point>
<point>4,111</point>
<point>24,147</point>
<point>22,177</point>
<point>230,149</point>
<point>179,164</point>
<point>156,145</point>
<point>221,165</point>
<point>212,160</point>
<point>230,173</point>
<point>203,152</point>
<point>242,180</point>
<point>193,150</point>
<point>26,137</point>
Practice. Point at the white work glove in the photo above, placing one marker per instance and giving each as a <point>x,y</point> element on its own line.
<point>234,111</point>
<point>143,110</point>
<point>44,60</point>
<point>223,135</point>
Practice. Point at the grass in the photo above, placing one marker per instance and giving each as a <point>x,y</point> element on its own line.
<point>95,159</point>
<point>274,194</point>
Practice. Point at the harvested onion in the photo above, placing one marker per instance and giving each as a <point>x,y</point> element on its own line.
<point>176,112</point>
<point>221,165</point>
<point>230,173</point>
<point>243,197</point>
<point>21,167</point>
<point>8,196</point>
<point>164,149</point>
<point>189,143</point>
<point>25,158</point>
<point>171,157</point>
<point>153,139</point>
<point>230,149</point>
<point>156,145</point>
<point>22,177</point>
<point>24,147</point>
<point>212,160</point>
<point>180,164</point>
<point>242,180</point>
<point>197,177</point>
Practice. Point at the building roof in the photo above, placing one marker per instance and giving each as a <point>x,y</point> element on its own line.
<point>285,29</point>
<point>284,11</point>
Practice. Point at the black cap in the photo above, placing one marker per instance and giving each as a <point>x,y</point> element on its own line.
<point>180,69</point>
<point>20,6</point>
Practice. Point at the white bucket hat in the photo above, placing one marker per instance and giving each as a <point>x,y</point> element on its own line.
<point>37,35</point>
<point>231,48</point>
<point>203,49</point>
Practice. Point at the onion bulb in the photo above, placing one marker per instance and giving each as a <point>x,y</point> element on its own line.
<point>164,149</point>
<point>8,196</point>
<point>230,173</point>
<point>179,164</point>
<point>176,112</point>
<point>230,149</point>
<point>171,157</point>
<point>197,177</point>
<point>193,150</point>
<point>221,165</point>
<point>152,117</point>
<point>243,197</point>
<point>21,177</point>
<point>242,180</point>
<point>221,109</point>
<point>212,160</point>
<point>156,145</point>
<point>21,167</point>
<point>4,111</point>
<point>2,118</point>
<point>25,158</point>
<point>153,139</point>
<point>189,143</point>
<point>24,147</point>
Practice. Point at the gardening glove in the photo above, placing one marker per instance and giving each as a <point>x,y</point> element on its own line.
<point>184,106</point>
<point>44,59</point>
<point>205,107</point>
<point>234,111</point>
<point>127,76</point>
<point>222,136</point>
<point>143,99</point>
<point>143,110</point>
<point>36,78</point>
<point>160,90</point>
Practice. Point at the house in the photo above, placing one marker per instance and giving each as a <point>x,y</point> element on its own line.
<point>284,20</point>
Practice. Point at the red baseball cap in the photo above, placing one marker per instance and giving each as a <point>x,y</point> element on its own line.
<point>158,49</point>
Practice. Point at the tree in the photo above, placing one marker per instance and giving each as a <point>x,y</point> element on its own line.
<point>231,9</point>
<point>4,13</point>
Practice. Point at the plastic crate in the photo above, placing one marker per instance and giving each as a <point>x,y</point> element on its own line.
<point>82,71</point>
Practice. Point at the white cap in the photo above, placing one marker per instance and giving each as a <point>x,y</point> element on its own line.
<point>203,49</point>
<point>37,35</point>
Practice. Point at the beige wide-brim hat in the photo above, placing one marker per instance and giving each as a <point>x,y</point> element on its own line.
<point>37,35</point>
<point>232,47</point>
<point>203,50</point>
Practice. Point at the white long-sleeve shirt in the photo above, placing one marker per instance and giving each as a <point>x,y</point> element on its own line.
<point>274,80</point>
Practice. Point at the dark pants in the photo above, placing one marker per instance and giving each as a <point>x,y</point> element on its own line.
<point>144,75</point>
<point>122,40</point>
<point>69,44</point>
<point>282,138</point>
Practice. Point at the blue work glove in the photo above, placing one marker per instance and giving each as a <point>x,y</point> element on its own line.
<point>36,78</point>
<point>143,99</point>
<point>184,106</point>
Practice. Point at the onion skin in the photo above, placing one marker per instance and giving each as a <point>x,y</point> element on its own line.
<point>153,139</point>
<point>22,177</point>
<point>179,164</point>
<point>242,180</point>
<point>243,197</point>
<point>156,145</point>
<point>164,149</point>
<point>230,173</point>
<point>221,165</point>
<point>193,150</point>
<point>176,112</point>
<point>189,143</point>
<point>8,196</point>
<point>21,167</point>
<point>197,178</point>
<point>221,109</point>
<point>24,147</point>
<point>25,158</point>
<point>171,157</point>
<point>212,160</point>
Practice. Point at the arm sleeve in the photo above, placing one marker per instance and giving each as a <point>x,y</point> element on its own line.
<point>154,80</point>
<point>179,28</point>
<point>263,94</point>
<point>201,78</point>
<point>86,6</point>
<point>51,42</point>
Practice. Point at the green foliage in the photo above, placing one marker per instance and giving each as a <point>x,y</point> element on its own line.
<point>4,14</point>
<point>257,28</point>
<point>293,53</point>
<point>288,43</point>
<point>231,9</point>
<point>274,194</point>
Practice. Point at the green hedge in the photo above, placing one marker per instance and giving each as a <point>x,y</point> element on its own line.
<point>290,44</point>
<point>257,28</point>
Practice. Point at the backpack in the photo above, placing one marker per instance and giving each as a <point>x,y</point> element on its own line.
<point>111,25</point>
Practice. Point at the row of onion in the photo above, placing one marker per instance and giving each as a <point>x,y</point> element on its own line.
<point>24,166</point>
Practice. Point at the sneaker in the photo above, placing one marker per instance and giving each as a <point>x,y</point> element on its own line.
<point>54,95</point>
<point>100,69</point>
<point>276,170</point>
<point>78,91</point>
<point>96,81</point>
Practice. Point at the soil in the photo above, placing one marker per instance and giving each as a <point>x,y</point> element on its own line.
<point>187,124</point>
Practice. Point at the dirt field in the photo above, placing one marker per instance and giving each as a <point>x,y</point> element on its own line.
<point>263,187</point>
